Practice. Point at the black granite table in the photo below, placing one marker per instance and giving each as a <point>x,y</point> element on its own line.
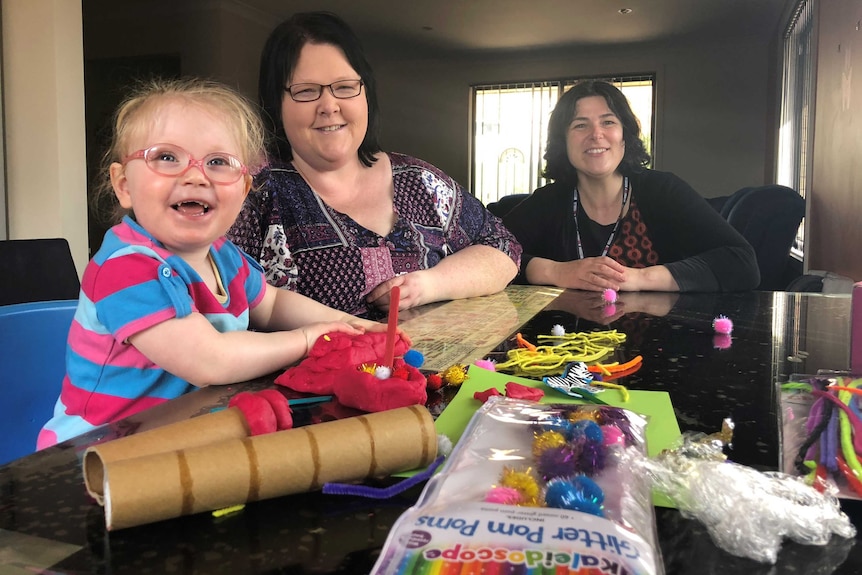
<point>48,523</point>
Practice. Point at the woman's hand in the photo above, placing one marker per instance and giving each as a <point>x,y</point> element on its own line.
<point>652,278</point>
<point>416,289</point>
<point>591,274</point>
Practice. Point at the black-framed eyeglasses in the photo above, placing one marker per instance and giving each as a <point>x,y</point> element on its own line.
<point>173,161</point>
<point>343,89</point>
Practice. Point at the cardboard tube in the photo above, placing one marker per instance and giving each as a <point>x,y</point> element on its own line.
<point>234,471</point>
<point>202,430</point>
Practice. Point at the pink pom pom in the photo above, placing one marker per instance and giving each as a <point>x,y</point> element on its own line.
<point>609,310</point>
<point>485,364</point>
<point>722,324</point>
<point>609,295</point>
<point>504,495</point>
<point>721,341</point>
<point>612,435</point>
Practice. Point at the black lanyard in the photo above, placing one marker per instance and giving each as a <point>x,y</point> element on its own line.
<point>616,225</point>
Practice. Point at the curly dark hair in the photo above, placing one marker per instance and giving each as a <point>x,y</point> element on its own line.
<point>278,60</point>
<point>557,166</point>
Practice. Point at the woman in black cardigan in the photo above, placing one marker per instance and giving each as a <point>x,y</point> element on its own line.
<point>607,222</point>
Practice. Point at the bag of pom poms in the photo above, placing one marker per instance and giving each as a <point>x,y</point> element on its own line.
<point>533,488</point>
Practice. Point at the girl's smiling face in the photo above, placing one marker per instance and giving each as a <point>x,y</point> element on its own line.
<point>186,213</point>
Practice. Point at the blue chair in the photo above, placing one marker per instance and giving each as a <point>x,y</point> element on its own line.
<point>32,365</point>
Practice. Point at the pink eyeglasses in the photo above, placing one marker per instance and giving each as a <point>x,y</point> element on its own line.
<point>173,161</point>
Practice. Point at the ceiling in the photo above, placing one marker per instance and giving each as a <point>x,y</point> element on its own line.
<point>503,25</point>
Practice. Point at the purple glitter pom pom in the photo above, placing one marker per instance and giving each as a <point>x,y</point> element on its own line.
<point>591,459</point>
<point>558,462</point>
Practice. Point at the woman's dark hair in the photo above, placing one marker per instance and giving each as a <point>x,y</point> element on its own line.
<point>557,166</point>
<point>278,60</point>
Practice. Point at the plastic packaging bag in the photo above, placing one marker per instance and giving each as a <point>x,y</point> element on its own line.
<point>487,510</point>
<point>746,512</point>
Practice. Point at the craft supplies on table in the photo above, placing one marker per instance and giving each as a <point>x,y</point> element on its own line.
<point>598,516</point>
<point>821,431</point>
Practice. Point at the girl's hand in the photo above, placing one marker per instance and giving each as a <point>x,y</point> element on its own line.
<point>315,330</point>
<point>373,326</point>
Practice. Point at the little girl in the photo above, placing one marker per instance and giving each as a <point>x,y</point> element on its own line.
<point>166,303</point>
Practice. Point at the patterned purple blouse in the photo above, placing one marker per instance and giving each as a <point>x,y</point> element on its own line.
<point>306,246</point>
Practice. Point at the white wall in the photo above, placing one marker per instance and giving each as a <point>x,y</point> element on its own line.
<point>43,85</point>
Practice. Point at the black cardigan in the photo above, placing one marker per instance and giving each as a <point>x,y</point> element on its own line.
<point>700,249</point>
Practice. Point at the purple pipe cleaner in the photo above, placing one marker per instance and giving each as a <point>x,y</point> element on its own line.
<point>857,425</point>
<point>813,419</point>
<point>829,455</point>
<point>382,492</point>
<point>814,416</point>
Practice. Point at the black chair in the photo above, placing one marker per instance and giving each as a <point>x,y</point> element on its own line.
<point>811,283</point>
<point>505,204</point>
<point>37,270</point>
<point>768,217</point>
<point>717,202</point>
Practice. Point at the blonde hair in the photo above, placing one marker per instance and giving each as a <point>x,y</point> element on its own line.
<point>237,112</point>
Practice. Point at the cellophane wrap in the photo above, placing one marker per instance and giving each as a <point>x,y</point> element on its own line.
<point>452,526</point>
<point>747,513</point>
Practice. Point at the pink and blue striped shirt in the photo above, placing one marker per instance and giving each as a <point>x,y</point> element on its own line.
<point>131,284</point>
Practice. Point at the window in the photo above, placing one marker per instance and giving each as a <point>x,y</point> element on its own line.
<point>511,124</point>
<point>795,139</point>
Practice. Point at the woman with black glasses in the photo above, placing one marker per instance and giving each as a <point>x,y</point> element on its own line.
<point>336,218</point>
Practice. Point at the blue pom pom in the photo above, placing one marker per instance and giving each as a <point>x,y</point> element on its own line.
<point>587,429</point>
<point>558,424</point>
<point>589,489</point>
<point>578,493</point>
<point>414,358</point>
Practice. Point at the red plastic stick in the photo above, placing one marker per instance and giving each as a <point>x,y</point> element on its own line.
<point>394,298</point>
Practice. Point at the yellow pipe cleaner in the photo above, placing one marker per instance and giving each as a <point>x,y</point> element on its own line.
<point>624,392</point>
<point>548,359</point>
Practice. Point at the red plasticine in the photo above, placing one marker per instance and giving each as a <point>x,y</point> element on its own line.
<point>484,396</point>
<point>257,411</point>
<point>280,407</point>
<point>518,391</point>
<point>333,368</point>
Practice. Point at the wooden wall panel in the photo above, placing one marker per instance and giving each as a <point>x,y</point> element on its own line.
<point>835,233</point>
